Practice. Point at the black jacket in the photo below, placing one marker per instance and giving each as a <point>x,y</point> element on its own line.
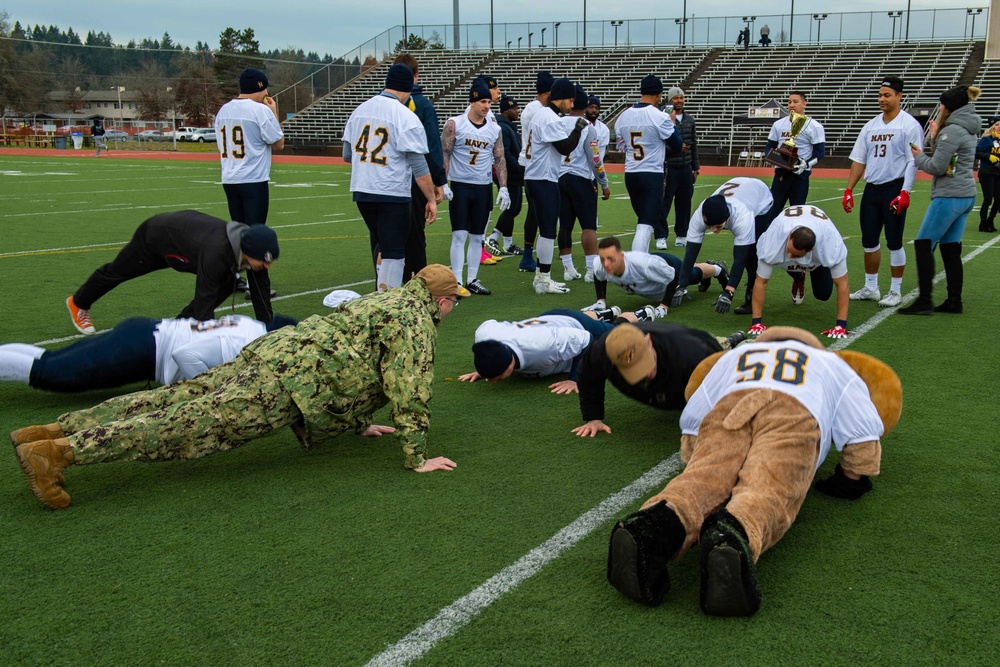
<point>193,242</point>
<point>686,128</point>
<point>678,351</point>
<point>511,148</point>
<point>428,118</point>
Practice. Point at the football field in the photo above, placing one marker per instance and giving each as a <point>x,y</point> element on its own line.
<point>270,555</point>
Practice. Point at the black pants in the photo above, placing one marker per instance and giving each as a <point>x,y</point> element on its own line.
<point>132,261</point>
<point>416,240</point>
<point>505,223</point>
<point>249,204</point>
<point>787,189</point>
<point>678,191</point>
<point>990,183</point>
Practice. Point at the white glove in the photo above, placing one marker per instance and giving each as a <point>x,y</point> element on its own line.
<point>503,199</point>
<point>801,167</point>
<point>601,304</point>
<point>448,194</point>
<point>660,312</point>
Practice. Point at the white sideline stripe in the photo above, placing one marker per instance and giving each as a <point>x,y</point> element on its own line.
<point>459,613</point>
<point>462,611</point>
<point>245,304</point>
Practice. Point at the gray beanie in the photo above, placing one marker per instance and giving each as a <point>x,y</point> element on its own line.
<point>674,92</point>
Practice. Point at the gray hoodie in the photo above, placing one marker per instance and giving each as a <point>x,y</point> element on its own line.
<point>955,146</point>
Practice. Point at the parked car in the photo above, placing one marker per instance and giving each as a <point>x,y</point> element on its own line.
<point>203,134</point>
<point>150,135</point>
<point>182,133</point>
<point>115,135</point>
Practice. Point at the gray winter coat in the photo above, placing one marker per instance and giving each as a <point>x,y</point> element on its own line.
<point>954,146</point>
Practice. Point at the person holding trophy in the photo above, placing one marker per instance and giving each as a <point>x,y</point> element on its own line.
<point>794,146</point>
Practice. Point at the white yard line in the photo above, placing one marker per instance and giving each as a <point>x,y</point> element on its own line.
<point>460,613</point>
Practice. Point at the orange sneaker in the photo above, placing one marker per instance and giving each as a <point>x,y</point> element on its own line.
<point>81,318</point>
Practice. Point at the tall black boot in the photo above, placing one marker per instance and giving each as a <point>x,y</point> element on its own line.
<point>925,279</point>
<point>951,257</point>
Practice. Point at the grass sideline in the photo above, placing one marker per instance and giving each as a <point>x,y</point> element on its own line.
<point>271,555</point>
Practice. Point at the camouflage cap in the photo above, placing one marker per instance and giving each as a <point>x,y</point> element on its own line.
<point>627,349</point>
<point>440,281</point>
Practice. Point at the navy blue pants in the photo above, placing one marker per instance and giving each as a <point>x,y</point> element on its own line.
<point>470,208</point>
<point>577,201</point>
<point>876,215</point>
<point>645,192</point>
<point>121,356</point>
<point>505,223</point>
<point>388,227</point>
<point>787,189</point>
<point>596,328</point>
<point>543,199</point>
<point>248,202</point>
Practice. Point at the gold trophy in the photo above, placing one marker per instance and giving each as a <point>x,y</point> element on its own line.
<point>786,155</point>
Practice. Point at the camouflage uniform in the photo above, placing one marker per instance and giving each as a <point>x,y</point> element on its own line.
<point>333,372</point>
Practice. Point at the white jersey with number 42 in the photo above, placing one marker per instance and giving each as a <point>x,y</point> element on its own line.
<point>380,131</point>
<point>821,381</point>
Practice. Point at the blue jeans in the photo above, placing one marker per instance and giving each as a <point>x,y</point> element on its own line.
<point>944,221</point>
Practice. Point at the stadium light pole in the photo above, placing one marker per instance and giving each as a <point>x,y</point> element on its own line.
<point>684,16</point>
<point>584,23</point>
<point>509,42</point>
<point>791,23</point>
<point>406,34</point>
<point>819,24</point>
<point>973,13</point>
<point>617,24</point>
<point>894,15</point>
<point>555,29</point>
<point>519,42</point>
<point>529,40</point>
<point>542,45</point>
<point>908,2</point>
<point>491,25</point>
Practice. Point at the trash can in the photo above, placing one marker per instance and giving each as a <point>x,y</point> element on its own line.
<point>77,140</point>
<point>60,143</point>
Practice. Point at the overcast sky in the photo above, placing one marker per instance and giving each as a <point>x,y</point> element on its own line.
<point>338,27</point>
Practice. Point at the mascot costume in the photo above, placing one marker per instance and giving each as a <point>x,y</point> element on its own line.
<point>759,422</point>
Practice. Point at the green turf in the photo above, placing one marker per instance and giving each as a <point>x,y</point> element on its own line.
<point>270,555</point>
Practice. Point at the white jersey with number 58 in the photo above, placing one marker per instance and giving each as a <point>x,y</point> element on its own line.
<point>824,383</point>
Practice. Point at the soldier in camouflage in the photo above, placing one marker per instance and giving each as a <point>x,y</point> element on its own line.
<point>326,375</point>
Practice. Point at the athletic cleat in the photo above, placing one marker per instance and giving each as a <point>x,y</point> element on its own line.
<point>247,297</point>
<point>680,241</point>
<point>81,318</point>
<point>477,287</point>
<point>661,244</point>
<point>241,284</point>
<point>588,277</point>
<point>544,284</point>
<point>723,276</point>
<point>527,264</point>
<point>728,574</point>
<point>488,259</point>
<point>891,299</point>
<point>745,309</point>
<point>733,339</point>
<point>512,249</point>
<point>492,248</point>
<point>798,288</point>
<point>868,294</point>
<point>570,273</point>
<point>645,314</point>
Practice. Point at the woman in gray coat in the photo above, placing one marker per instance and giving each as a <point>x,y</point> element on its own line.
<point>953,195</point>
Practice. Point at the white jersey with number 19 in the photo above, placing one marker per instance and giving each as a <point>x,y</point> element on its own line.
<point>244,131</point>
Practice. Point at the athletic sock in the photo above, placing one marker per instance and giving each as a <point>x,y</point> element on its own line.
<point>871,281</point>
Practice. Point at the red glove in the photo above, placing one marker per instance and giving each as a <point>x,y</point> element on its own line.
<point>836,332</point>
<point>757,329</point>
<point>900,203</point>
<point>849,201</point>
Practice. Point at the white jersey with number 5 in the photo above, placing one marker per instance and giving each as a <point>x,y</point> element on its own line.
<point>244,131</point>
<point>642,129</point>
<point>821,381</point>
<point>379,131</point>
<point>472,157</point>
<point>541,157</point>
<point>884,149</point>
<point>544,345</point>
<point>829,250</point>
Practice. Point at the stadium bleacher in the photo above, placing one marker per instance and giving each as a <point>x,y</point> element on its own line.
<point>840,80</point>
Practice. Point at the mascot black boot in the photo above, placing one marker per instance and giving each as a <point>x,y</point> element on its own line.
<point>954,272</point>
<point>641,545</point>
<point>925,279</point>
<point>728,573</point>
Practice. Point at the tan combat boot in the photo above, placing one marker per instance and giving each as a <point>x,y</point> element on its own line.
<point>42,461</point>
<point>32,433</point>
